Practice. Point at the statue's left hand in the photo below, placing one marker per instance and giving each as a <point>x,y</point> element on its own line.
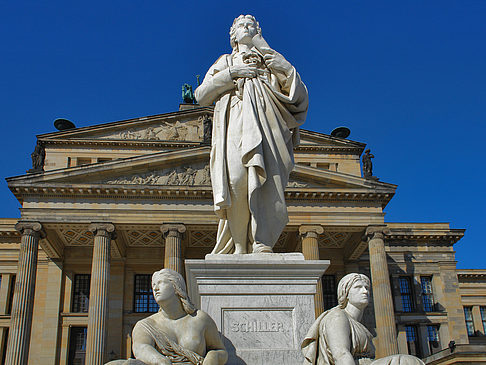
<point>276,61</point>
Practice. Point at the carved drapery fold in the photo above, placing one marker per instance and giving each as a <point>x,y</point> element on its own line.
<point>173,246</point>
<point>23,299</point>
<point>98,301</point>
<point>310,250</point>
<point>382,295</point>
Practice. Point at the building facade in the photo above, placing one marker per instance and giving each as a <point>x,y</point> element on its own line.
<point>114,202</point>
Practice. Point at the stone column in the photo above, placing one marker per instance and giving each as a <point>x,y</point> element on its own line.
<point>382,297</point>
<point>98,292</point>
<point>173,246</point>
<point>23,299</point>
<point>310,249</point>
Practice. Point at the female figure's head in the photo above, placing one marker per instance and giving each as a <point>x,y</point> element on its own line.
<point>244,28</point>
<point>355,289</point>
<point>167,283</point>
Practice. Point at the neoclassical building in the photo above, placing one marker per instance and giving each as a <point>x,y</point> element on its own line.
<point>114,202</point>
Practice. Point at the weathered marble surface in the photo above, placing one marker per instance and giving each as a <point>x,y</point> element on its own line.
<point>338,337</point>
<point>260,104</point>
<point>262,304</point>
<point>178,333</point>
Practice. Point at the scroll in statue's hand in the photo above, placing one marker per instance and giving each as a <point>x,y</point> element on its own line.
<point>276,61</point>
<point>247,70</point>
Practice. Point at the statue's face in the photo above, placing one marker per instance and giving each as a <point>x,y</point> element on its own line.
<point>359,294</point>
<point>245,31</point>
<point>162,288</point>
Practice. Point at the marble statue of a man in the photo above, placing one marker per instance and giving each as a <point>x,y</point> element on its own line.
<point>260,104</point>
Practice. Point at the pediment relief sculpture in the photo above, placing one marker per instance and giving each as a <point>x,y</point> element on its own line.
<point>338,337</point>
<point>178,333</point>
<point>181,176</point>
<point>191,130</point>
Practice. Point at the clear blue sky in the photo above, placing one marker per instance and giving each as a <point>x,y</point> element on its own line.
<point>407,77</point>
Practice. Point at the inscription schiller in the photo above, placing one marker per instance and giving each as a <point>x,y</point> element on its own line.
<point>249,328</point>
<point>257,326</point>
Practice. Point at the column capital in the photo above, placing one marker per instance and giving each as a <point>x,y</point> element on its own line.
<point>104,229</point>
<point>172,229</point>
<point>311,230</point>
<point>376,232</point>
<point>30,228</point>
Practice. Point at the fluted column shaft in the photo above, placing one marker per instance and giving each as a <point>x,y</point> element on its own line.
<point>98,293</point>
<point>173,246</point>
<point>310,249</point>
<point>382,295</point>
<point>23,299</point>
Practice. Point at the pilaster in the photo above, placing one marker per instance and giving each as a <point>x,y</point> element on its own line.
<point>382,296</point>
<point>310,250</point>
<point>98,296</point>
<point>173,233</point>
<point>23,299</point>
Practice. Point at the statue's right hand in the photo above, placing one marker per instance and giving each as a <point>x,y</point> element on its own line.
<point>238,71</point>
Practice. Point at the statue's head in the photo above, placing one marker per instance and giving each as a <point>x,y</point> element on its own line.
<point>167,282</point>
<point>355,289</point>
<point>244,28</point>
<point>368,151</point>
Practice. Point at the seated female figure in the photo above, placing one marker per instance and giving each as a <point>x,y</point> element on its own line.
<point>178,333</point>
<point>338,338</point>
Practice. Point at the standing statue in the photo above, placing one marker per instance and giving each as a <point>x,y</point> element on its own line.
<point>38,158</point>
<point>187,94</point>
<point>367,164</point>
<point>178,333</point>
<point>337,337</point>
<point>260,103</point>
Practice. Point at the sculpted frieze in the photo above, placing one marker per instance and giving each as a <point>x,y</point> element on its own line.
<point>191,130</point>
<point>182,176</point>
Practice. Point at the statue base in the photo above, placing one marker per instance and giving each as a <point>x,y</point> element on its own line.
<point>263,304</point>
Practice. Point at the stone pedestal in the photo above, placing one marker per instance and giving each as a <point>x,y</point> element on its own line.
<point>263,304</point>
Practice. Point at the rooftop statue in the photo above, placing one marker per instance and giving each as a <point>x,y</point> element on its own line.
<point>367,163</point>
<point>260,104</point>
<point>178,333</point>
<point>188,94</point>
<point>337,337</point>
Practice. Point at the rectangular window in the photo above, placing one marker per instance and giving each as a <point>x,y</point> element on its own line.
<point>433,339</point>
<point>11,291</point>
<point>413,341</point>
<point>483,318</point>
<point>77,346</point>
<point>469,321</point>
<point>4,345</point>
<point>427,294</point>
<point>406,294</point>
<point>329,291</point>
<point>81,293</point>
<point>144,301</point>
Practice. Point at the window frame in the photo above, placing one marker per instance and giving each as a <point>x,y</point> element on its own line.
<point>145,295</point>
<point>404,295</point>
<point>415,341</point>
<point>428,303</point>
<point>468,312</point>
<point>83,307</point>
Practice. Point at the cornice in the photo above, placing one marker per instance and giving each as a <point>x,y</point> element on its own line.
<point>119,143</point>
<point>186,192</point>
<point>451,236</point>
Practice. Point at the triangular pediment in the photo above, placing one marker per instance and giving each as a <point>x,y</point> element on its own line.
<point>315,140</point>
<point>185,167</point>
<point>179,126</point>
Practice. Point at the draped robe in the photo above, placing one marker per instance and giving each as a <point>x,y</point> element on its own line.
<point>269,108</point>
